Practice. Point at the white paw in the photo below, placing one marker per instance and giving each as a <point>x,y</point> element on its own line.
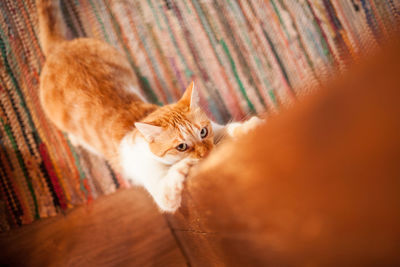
<point>169,198</point>
<point>232,127</point>
<point>170,194</point>
<point>236,129</point>
<point>253,122</point>
<point>183,166</point>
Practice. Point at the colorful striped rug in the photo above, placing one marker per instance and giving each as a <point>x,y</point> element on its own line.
<point>245,57</point>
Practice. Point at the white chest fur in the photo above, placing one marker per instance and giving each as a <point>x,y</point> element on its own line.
<point>138,163</point>
<point>163,181</point>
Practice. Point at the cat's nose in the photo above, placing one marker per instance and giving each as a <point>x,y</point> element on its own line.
<point>202,151</point>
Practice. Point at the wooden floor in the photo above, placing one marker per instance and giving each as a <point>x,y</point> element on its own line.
<point>122,229</point>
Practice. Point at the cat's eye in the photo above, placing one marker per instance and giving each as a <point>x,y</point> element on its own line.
<point>182,147</point>
<point>204,132</point>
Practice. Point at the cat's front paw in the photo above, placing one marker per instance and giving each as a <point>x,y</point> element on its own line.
<point>237,129</point>
<point>170,195</point>
<point>183,166</point>
<point>169,199</point>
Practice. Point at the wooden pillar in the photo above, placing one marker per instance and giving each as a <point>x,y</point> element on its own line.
<point>317,185</point>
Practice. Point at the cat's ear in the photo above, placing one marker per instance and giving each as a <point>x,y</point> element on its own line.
<point>149,132</point>
<point>190,97</point>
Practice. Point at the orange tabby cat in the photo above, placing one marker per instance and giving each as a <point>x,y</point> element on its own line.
<point>87,89</point>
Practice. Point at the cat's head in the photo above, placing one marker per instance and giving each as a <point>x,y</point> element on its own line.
<point>178,130</point>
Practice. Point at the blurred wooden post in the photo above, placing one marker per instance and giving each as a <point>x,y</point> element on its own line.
<point>318,185</point>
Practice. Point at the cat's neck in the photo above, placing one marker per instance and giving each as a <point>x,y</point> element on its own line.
<point>120,124</point>
<point>136,160</point>
<point>124,119</point>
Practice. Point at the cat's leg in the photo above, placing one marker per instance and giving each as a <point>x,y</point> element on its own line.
<point>167,192</point>
<point>234,129</point>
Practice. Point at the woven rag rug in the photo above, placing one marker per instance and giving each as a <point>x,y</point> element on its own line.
<point>245,57</point>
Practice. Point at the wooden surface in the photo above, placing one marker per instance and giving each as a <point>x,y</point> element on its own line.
<point>122,229</point>
<point>318,185</point>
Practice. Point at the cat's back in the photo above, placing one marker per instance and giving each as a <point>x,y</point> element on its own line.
<point>89,68</point>
<point>85,79</point>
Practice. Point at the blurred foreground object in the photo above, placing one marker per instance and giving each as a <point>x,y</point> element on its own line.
<point>317,185</point>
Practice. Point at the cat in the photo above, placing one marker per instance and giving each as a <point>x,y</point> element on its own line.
<point>87,89</point>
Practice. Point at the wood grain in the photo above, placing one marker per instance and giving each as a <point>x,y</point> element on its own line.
<point>317,185</point>
<point>122,229</point>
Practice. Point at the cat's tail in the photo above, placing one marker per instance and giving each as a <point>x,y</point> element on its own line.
<point>50,24</point>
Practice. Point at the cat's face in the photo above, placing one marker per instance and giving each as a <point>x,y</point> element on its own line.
<point>178,130</point>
